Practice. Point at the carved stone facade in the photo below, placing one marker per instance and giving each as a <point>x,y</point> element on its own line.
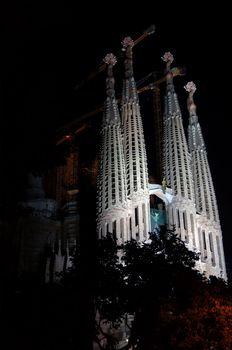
<point>193,209</point>
<point>208,223</point>
<point>123,195</point>
<point>187,194</point>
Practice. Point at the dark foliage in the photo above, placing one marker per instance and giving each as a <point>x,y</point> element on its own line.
<point>172,304</point>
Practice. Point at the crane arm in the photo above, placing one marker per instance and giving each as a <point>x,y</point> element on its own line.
<point>175,72</point>
<point>146,33</point>
<point>152,86</point>
<point>102,66</point>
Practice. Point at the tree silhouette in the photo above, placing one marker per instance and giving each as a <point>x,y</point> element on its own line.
<point>173,305</point>
<point>152,288</point>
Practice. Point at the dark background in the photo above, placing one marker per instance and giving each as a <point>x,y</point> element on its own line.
<point>48,48</point>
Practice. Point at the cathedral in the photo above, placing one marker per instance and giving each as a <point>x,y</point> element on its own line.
<point>130,203</point>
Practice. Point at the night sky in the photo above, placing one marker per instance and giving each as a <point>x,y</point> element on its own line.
<point>49,48</point>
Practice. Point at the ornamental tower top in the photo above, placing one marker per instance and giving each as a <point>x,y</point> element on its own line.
<point>190,87</point>
<point>129,86</point>
<point>111,113</point>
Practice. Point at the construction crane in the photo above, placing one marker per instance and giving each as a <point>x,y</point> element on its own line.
<point>68,174</point>
<point>70,136</point>
<point>119,54</point>
<point>69,130</point>
<point>69,126</point>
<point>81,124</point>
<point>175,72</point>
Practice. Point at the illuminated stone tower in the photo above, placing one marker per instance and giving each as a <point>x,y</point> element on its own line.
<point>112,208</point>
<point>177,166</point>
<point>134,152</point>
<point>208,223</point>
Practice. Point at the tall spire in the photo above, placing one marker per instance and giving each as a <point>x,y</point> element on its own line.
<point>195,137</point>
<point>177,165</point>
<point>111,113</point>
<point>134,151</point>
<point>204,190</point>
<point>111,186</point>
<point>209,229</point>
<point>172,106</point>
<point>129,86</point>
<point>176,160</point>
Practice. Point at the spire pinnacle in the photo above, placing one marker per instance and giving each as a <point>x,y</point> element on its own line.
<point>127,44</point>
<point>168,58</point>
<point>190,87</point>
<point>111,113</point>
<point>111,60</point>
<point>129,85</point>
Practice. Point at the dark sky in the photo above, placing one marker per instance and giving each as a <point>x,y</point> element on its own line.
<point>48,48</point>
